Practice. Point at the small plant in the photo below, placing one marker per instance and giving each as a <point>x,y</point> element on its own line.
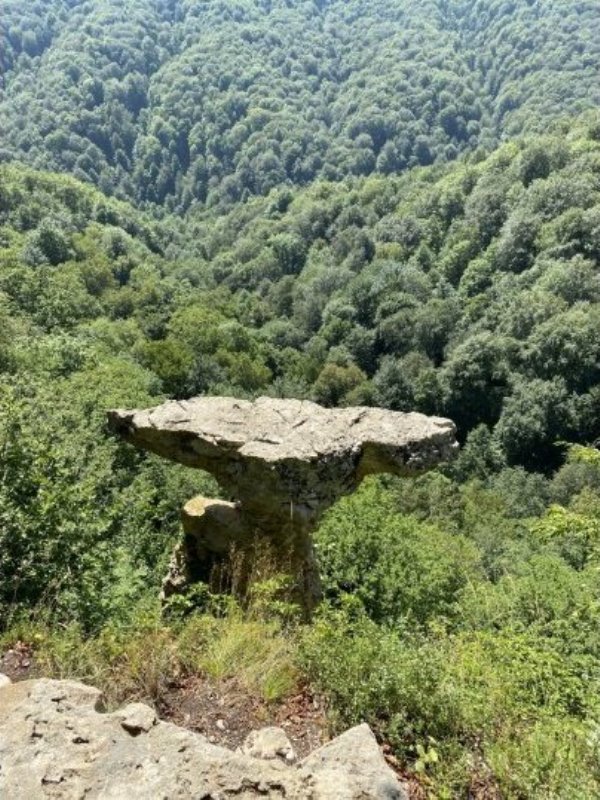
<point>427,756</point>
<point>197,598</point>
<point>269,600</point>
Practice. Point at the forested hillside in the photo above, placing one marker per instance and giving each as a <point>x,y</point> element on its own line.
<point>358,202</point>
<point>469,290</point>
<point>178,102</point>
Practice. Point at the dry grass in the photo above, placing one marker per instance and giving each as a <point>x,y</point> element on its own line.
<point>255,652</point>
<point>141,661</point>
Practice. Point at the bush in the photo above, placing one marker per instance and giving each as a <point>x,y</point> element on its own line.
<point>510,699</point>
<point>400,569</point>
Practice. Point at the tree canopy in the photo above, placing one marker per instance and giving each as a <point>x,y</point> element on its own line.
<point>355,201</point>
<point>177,103</point>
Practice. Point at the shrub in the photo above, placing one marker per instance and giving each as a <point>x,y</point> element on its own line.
<point>399,568</point>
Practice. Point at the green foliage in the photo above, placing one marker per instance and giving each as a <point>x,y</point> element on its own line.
<point>480,640</point>
<point>306,257</point>
<point>199,103</point>
<point>402,571</point>
<point>85,525</point>
<point>493,692</point>
<point>335,384</point>
<point>576,537</point>
<point>139,657</point>
<point>76,522</point>
<point>467,290</point>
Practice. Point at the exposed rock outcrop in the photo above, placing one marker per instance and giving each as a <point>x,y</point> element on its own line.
<point>54,743</point>
<point>284,462</point>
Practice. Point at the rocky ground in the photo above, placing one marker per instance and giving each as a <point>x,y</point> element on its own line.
<point>18,663</point>
<point>225,713</point>
<point>57,740</point>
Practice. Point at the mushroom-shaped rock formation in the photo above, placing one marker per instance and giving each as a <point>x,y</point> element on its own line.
<point>283,462</point>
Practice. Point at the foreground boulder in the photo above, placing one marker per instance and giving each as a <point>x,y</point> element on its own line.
<point>55,743</point>
<point>282,463</point>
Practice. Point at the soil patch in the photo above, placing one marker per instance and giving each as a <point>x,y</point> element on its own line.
<point>19,663</point>
<point>225,713</point>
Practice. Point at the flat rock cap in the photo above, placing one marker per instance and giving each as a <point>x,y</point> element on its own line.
<point>278,431</point>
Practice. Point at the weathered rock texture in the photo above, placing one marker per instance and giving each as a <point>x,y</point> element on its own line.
<point>284,462</point>
<point>54,743</point>
<point>269,743</point>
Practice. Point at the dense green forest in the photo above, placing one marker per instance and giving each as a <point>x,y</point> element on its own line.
<point>181,102</point>
<point>468,289</point>
<point>382,203</point>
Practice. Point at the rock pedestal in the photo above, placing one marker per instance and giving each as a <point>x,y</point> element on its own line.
<point>284,462</point>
